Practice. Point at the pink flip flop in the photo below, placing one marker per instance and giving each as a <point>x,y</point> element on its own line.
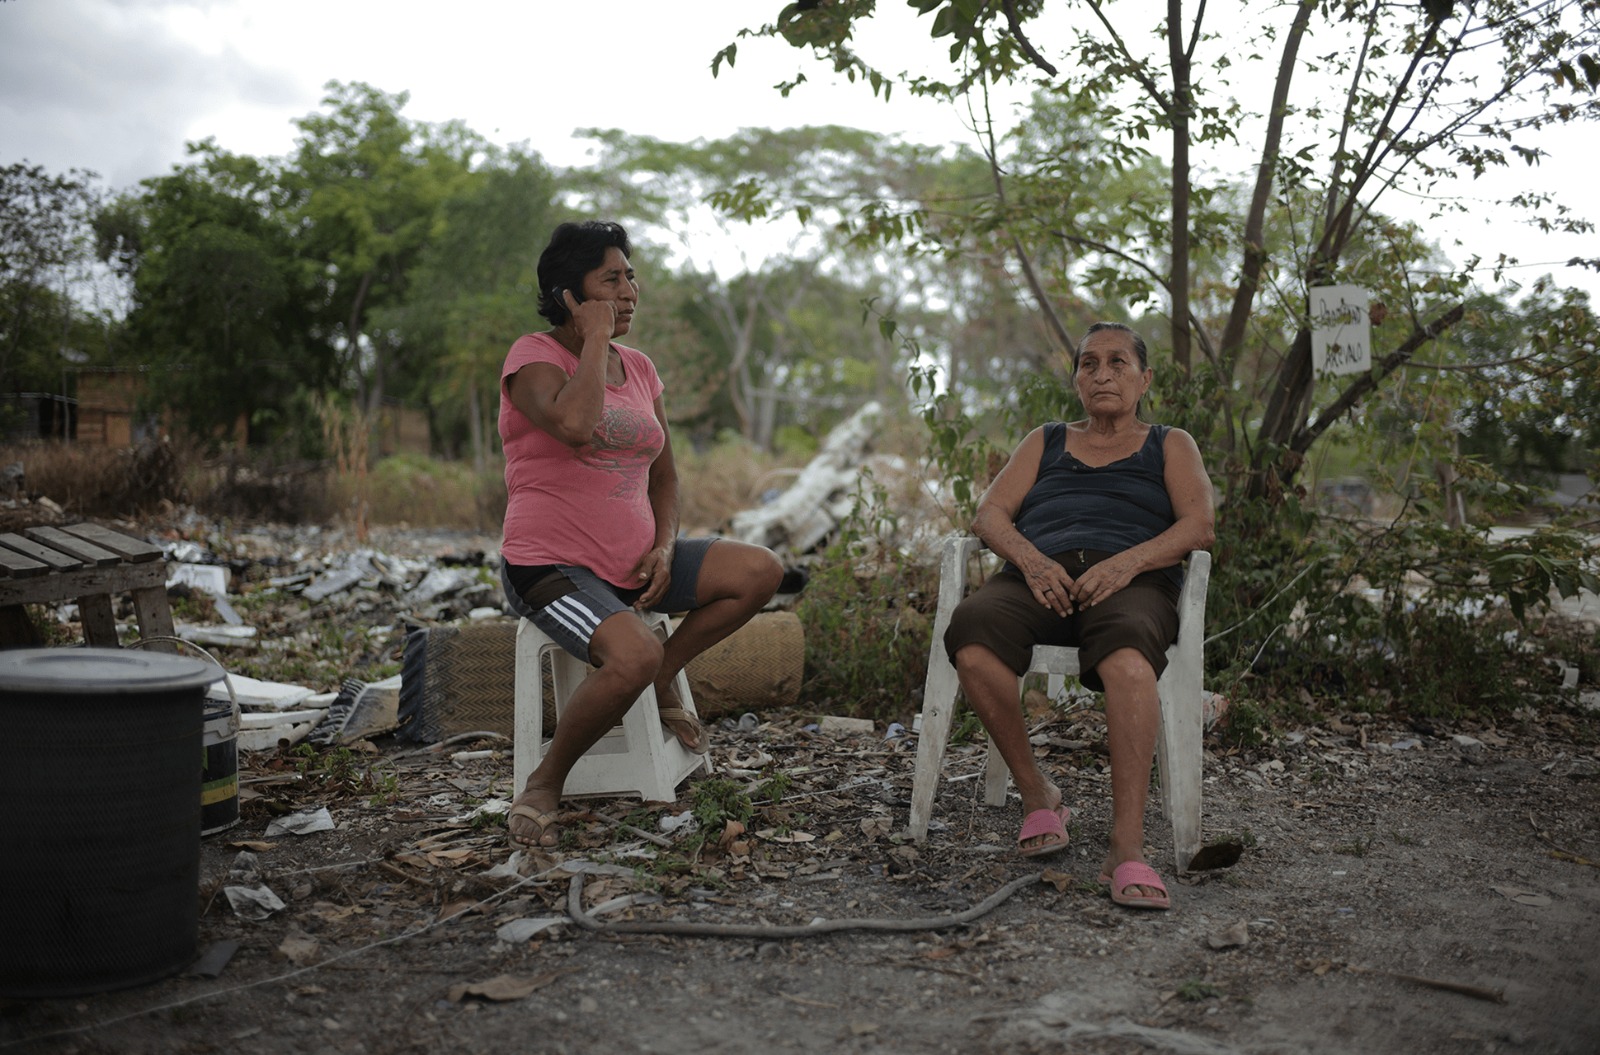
<point>1052,824</point>
<point>1130,874</point>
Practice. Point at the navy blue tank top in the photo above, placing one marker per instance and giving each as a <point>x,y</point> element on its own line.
<point>1107,507</point>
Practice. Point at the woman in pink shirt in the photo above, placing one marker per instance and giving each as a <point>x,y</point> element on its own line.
<point>591,528</point>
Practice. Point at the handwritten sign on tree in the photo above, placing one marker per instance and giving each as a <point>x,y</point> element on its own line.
<point>1341,331</point>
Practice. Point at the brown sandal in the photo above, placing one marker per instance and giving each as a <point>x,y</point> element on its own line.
<point>698,742</point>
<point>547,820</point>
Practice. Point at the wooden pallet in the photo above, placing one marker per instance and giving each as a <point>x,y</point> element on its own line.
<point>88,564</point>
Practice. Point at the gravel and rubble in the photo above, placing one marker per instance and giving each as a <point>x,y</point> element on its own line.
<point>1393,889</point>
<point>1396,892</point>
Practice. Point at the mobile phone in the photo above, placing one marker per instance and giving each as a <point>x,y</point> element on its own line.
<point>559,294</point>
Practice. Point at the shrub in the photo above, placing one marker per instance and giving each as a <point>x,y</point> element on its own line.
<point>868,614</point>
<point>96,481</point>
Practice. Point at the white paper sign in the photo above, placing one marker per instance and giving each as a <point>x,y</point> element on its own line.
<point>1341,331</point>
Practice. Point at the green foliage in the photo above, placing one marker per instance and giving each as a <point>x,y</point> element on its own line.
<point>867,617</point>
<point>967,728</point>
<point>716,801</point>
<point>45,241</point>
<point>1194,990</point>
<point>1412,617</point>
<point>340,771</point>
<point>775,787</point>
<point>414,489</point>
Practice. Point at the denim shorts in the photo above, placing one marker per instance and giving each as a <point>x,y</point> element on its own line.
<point>569,602</point>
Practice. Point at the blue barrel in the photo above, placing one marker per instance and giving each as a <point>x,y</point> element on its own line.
<point>101,823</point>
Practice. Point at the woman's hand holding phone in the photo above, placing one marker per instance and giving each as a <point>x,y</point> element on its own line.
<point>588,316</point>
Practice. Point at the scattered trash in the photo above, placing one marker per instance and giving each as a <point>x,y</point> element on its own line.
<point>256,695</point>
<point>840,725</point>
<point>495,807</point>
<point>822,495</point>
<point>249,897</point>
<point>1233,937</point>
<point>1215,709</point>
<point>317,820</point>
<point>253,903</point>
<point>1531,898</point>
<point>504,987</point>
<point>223,636</point>
<point>209,579</point>
<point>299,948</point>
<point>360,710</point>
<point>215,958</point>
<point>673,822</point>
<point>520,930</point>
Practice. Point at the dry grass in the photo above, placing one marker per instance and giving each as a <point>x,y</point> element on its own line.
<point>403,490</point>
<point>98,481</point>
<point>718,482</point>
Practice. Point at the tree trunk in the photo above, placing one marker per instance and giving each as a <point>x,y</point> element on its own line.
<point>1182,104</point>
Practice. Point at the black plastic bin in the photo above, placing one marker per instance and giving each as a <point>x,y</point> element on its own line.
<point>99,817</point>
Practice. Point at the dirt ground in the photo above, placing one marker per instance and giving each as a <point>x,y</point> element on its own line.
<point>1400,890</point>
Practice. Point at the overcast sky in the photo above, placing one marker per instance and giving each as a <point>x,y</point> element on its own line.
<point>119,86</point>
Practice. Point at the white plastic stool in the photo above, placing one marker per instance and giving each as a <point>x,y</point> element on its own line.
<point>639,756</point>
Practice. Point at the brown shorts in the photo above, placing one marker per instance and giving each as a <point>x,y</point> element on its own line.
<point>1003,616</point>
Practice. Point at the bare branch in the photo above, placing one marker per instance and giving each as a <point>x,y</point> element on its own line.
<point>1160,280</point>
<point>1255,254</point>
<point>992,153</point>
<point>1022,39</point>
<point>1369,381</point>
<point>1135,67</point>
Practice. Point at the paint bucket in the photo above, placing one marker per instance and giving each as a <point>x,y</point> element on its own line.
<point>101,826</point>
<point>219,747</point>
<point>219,770</point>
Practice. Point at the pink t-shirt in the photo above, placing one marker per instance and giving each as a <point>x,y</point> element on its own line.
<point>588,505</point>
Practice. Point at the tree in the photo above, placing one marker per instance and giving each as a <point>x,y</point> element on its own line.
<point>223,304</point>
<point>367,187</point>
<point>45,240</point>
<point>763,321</point>
<point>1360,103</point>
<point>472,292</point>
<point>1424,92</point>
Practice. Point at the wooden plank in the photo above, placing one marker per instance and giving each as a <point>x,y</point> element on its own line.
<point>154,612</point>
<point>14,565</point>
<point>134,550</point>
<point>52,558</point>
<point>88,552</point>
<point>70,585</point>
<point>99,621</point>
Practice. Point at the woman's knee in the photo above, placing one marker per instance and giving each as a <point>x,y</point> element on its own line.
<point>625,648</point>
<point>742,570</point>
<point>1127,669</point>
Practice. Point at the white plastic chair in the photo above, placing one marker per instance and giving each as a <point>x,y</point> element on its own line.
<point>640,756</point>
<point>1179,748</point>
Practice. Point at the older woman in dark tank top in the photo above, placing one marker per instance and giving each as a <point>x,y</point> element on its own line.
<point>1093,519</point>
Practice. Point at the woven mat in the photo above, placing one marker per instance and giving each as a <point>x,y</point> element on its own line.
<point>759,667</point>
<point>460,679</point>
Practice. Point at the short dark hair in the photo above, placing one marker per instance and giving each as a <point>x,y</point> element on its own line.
<point>1138,342</point>
<point>575,249</point>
